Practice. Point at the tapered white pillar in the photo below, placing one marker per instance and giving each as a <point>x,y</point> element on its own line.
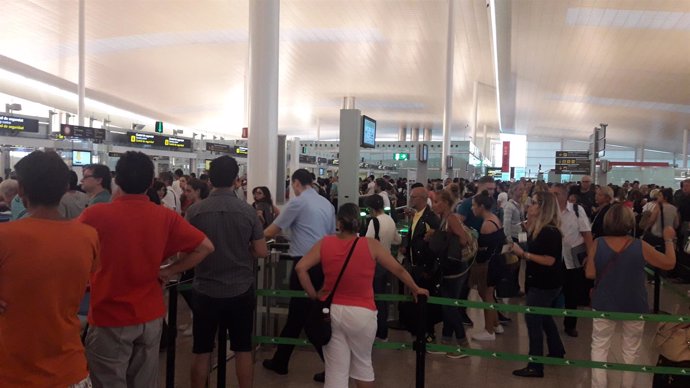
<point>685,148</point>
<point>82,62</point>
<point>264,24</point>
<point>448,102</point>
<point>475,109</point>
<point>402,133</point>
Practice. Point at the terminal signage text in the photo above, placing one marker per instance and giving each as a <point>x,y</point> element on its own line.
<point>216,147</point>
<point>18,124</point>
<point>572,162</point>
<point>150,139</point>
<point>81,132</point>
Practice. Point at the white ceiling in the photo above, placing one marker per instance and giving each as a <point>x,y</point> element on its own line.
<point>573,63</point>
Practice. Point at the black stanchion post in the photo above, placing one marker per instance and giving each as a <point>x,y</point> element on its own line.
<point>420,343</point>
<point>222,361</point>
<point>657,289</point>
<point>172,335</point>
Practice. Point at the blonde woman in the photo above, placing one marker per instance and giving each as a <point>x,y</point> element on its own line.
<point>543,278</point>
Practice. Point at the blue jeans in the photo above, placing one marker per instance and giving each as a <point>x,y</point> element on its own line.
<point>452,323</point>
<point>538,325</point>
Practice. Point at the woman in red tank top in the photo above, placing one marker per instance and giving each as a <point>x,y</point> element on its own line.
<point>353,312</point>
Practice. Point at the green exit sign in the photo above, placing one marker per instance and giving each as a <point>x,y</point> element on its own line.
<point>402,156</point>
<point>159,127</point>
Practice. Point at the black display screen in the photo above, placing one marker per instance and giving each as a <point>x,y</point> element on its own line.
<point>18,124</point>
<point>81,132</point>
<point>149,139</point>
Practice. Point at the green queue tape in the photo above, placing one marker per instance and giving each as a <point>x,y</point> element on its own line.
<point>507,307</point>
<point>503,356</point>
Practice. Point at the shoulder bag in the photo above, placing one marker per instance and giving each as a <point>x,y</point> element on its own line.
<point>454,258</point>
<point>318,325</point>
<point>673,341</point>
<point>609,265</point>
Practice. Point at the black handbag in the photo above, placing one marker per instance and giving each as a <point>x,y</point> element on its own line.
<point>318,326</point>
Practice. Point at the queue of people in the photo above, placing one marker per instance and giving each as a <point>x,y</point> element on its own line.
<point>121,239</point>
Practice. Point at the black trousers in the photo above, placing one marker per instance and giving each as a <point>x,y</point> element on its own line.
<point>576,292</point>
<point>298,312</point>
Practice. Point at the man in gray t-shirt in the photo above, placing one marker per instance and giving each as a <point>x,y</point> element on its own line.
<point>224,281</point>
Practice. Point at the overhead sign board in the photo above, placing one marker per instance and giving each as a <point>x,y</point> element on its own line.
<point>241,152</point>
<point>149,139</point>
<point>216,147</point>
<point>81,132</point>
<point>18,124</point>
<point>573,162</point>
<point>307,159</point>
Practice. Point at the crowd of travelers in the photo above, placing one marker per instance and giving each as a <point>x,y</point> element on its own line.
<point>115,240</point>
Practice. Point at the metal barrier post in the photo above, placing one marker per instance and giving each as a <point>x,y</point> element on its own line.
<point>222,357</point>
<point>420,342</point>
<point>657,289</point>
<point>172,336</point>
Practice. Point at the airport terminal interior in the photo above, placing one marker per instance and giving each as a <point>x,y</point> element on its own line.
<point>413,91</point>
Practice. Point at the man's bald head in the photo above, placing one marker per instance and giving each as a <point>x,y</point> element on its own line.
<point>418,198</point>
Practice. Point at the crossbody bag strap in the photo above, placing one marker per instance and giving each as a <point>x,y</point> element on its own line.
<point>611,262</point>
<point>329,299</point>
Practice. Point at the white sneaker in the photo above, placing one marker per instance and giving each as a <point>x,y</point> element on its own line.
<point>188,331</point>
<point>499,329</point>
<point>484,336</point>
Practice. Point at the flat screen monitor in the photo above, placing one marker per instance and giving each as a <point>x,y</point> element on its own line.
<point>423,153</point>
<point>207,164</point>
<point>81,158</point>
<point>322,171</point>
<point>368,132</point>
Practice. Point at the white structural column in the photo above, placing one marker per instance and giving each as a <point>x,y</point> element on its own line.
<point>82,62</point>
<point>475,108</point>
<point>264,25</point>
<point>402,133</point>
<point>414,135</point>
<point>448,103</point>
<point>685,148</point>
<point>427,134</point>
<point>485,142</point>
<point>639,154</point>
<point>294,151</point>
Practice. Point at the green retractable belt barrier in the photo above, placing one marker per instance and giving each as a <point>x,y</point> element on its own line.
<point>507,307</point>
<point>499,356</point>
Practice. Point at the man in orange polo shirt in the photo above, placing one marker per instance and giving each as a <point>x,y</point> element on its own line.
<point>45,262</point>
<point>127,307</point>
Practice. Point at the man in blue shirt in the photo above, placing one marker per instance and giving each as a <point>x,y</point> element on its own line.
<point>309,217</point>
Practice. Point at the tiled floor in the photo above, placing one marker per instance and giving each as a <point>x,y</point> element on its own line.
<point>397,368</point>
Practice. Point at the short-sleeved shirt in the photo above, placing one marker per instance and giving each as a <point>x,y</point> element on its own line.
<point>549,243</point>
<point>72,204</point>
<point>44,269</point>
<point>572,227</point>
<point>17,208</point>
<point>471,221</point>
<point>670,215</point>
<point>308,217</point>
<point>231,224</point>
<point>102,197</point>
<point>136,236</point>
